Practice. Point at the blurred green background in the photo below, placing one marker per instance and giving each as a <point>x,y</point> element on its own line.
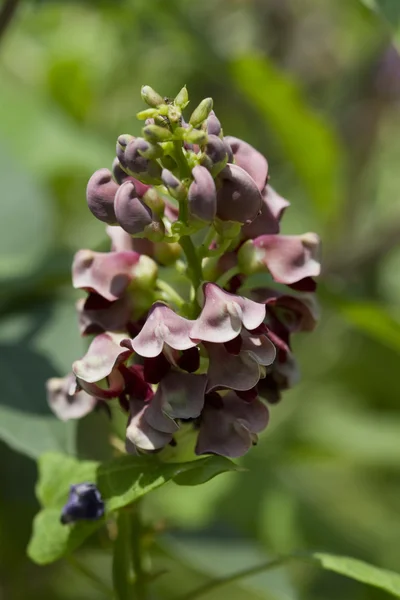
<point>315,85</point>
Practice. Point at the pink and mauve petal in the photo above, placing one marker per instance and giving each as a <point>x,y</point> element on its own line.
<point>132,214</point>
<point>276,203</point>
<point>289,258</point>
<point>249,159</point>
<point>224,314</point>
<point>106,273</point>
<point>103,354</point>
<point>225,370</point>
<point>182,394</point>
<point>202,195</point>
<point>100,193</point>
<point>238,198</point>
<point>66,401</point>
<point>297,313</point>
<point>255,413</point>
<point>140,433</point>
<point>259,347</point>
<point>163,326</point>
<point>121,241</point>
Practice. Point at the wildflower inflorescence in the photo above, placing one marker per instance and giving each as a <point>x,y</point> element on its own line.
<point>193,308</point>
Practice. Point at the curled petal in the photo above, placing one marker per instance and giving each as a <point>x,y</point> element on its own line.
<point>231,429</point>
<point>109,388</point>
<point>202,195</point>
<point>140,433</point>
<point>249,159</point>
<point>215,149</point>
<point>289,258</point>
<point>259,347</point>
<point>132,214</point>
<point>297,313</point>
<point>96,314</point>
<point>100,194</point>
<point>136,163</point>
<point>163,326</point>
<point>238,198</point>
<point>282,375</point>
<point>106,273</point>
<point>224,314</point>
<point>66,400</point>
<point>181,395</point>
<point>213,125</point>
<point>267,221</point>
<point>226,370</point>
<point>103,355</point>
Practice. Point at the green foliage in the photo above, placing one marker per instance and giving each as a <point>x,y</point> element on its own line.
<point>121,481</point>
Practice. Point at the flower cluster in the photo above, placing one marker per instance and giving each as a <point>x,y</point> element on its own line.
<point>211,350</point>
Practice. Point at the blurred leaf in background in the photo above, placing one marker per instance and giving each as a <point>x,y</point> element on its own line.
<point>316,87</point>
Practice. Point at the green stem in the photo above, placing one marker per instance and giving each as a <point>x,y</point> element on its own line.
<point>218,583</point>
<point>184,169</point>
<point>122,564</point>
<point>207,242</point>
<point>195,272</point>
<point>227,276</point>
<point>96,581</point>
<point>170,293</point>
<point>137,530</point>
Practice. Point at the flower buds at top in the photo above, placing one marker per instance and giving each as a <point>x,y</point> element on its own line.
<point>122,142</point>
<point>195,136</point>
<point>149,113</point>
<point>155,133</point>
<point>212,124</point>
<point>151,97</point>
<point>201,113</point>
<point>202,195</point>
<point>215,154</point>
<point>182,98</point>
<point>147,170</point>
<point>100,193</point>
<point>238,198</point>
<point>132,214</point>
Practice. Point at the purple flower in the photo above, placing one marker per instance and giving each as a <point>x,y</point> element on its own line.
<point>229,425</point>
<point>100,194</point>
<point>131,213</point>
<point>238,197</point>
<point>96,314</point>
<point>272,209</point>
<point>224,315</point>
<point>202,196</point>
<point>249,159</point>
<point>67,400</point>
<point>84,504</point>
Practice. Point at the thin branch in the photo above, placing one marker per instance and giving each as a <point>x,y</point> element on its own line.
<point>7,13</point>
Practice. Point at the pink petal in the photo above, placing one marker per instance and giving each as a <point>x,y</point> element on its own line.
<point>66,401</point>
<point>163,326</point>
<point>236,372</point>
<point>259,347</point>
<point>181,394</point>
<point>140,433</point>
<point>106,273</point>
<point>267,221</point>
<point>103,354</point>
<point>96,314</point>
<point>224,314</point>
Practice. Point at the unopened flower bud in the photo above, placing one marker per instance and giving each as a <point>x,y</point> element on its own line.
<point>201,113</point>
<point>238,198</point>
<point>216,150</point>
<point>195,136</point>
<point>145,169</point>
<point>144,274</point>
<point>152,150</point>
<point>118,172</point>
<point>167,253</point>
<point>202,196</point>
<point>155,133</point>
<point>212,125</point>
<point>182,99</point>
<point>154,201</point>
<point>250,259</point>
<point>122,142</point>
<point>151,97</point>
<point>155,231</point>
<point>149,113</point>
<point>173,185</point>
<point>100,194</point>
<point>132,214</point>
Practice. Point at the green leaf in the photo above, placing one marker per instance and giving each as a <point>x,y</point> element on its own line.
<point>360,571</point>
<point>121,481</point>
<point>374,320</point>
<point>308,141</point>
<point>207,469</point>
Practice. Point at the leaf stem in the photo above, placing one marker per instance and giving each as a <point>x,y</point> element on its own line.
<point>194,271</point>
<point>222,581</point>
<point>137,531</point>
<point>170,293</point>
<point>94,578</point>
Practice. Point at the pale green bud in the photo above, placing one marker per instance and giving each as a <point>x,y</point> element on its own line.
<point>201,113</point>
<point>151,97</point>
<point>155,133</point>
<point>182,99</point>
